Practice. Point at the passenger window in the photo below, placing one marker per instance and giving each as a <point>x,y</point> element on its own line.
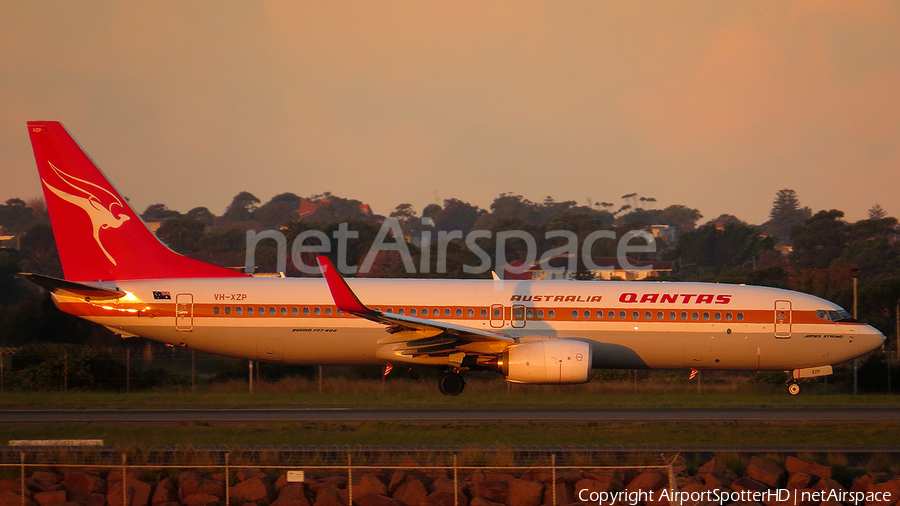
<point>612,315</point>
<point>447,313</point>
<point>740,317</point>
<point>484,313</point>
<point>227,309</point>
<point>412,312</point>
<point>587,314</point>
<point>728,317</point>
<point>262,311</point>
<point>706,316</point>
<point>401,311</point>
<point>283,311</point>
<point>621,315</point>
<point>574,315</point>
<point>317,311</point>
<point>599,314</point>
<point>249,310</point>
<point>648,315</point>
<point>718,317</point>
<point>518,313</point>
<point>529,313</point>
<point>684,315</point>
<point>216,310</point>
<point>635,315</point>
<point>551,314</point>
<point>425,312</point>
<point>672,315</point>
<point>294,311</point>
<point>238,310</point>
<point>471,313</point>
<point>695,316</point>
<point>659,315</point>
<point>327,310</point>
<point>306,311</point>
<point>540,313</point>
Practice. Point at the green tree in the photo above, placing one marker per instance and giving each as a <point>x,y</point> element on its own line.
<point>409,222</point>
<point>222,239</point>
<point>159,212</point>
<point>431,211</point>
<point>273,215</point>
<point>15,215</point>
<point>873,246</point>
<point>38,253</point>
<point>333,208</point>
<point>877,212</point>
<point>181,234</point>
<point>786,214</point>
<point>201,214</point>
<point>457,215</point>
<point>736,245</point>
<point>242,207</point>
<point>11,289</point>
<point>680,216</point>
<point>820,240</point>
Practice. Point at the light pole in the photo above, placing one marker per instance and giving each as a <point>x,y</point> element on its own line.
<point>855,273</point>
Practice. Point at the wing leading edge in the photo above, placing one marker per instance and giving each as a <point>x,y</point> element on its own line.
<point>415,337</point>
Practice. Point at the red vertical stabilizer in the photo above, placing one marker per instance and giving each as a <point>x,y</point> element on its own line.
<point>98,234</point>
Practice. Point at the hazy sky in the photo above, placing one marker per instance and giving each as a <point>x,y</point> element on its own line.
<point>716,105</point>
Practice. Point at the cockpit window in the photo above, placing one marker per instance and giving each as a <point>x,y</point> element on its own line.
<point>834,316</point>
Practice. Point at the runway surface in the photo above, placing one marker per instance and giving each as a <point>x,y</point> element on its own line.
<point>470,415</point>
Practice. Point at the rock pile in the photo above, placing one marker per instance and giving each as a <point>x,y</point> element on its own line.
<point>426,487</point>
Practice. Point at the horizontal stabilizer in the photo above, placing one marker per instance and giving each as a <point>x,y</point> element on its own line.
<point>63,287</point>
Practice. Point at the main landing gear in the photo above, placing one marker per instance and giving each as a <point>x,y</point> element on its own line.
<point>793,387</point>
<point>451,383</point>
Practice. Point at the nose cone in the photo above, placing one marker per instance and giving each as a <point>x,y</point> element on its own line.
<point>869,339</point>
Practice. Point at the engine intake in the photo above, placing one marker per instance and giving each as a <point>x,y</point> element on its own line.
<point>549,362</point>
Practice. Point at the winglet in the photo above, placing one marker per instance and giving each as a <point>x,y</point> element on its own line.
<point>343,296</point>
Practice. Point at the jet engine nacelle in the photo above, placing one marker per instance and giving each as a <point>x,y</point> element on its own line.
<point>551,362</point>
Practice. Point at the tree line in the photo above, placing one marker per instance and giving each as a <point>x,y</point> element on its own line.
<point>818,253</point>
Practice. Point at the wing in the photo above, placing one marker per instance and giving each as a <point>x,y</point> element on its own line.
<point>413,337</point>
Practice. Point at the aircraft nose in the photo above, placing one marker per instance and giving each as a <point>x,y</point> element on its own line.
<point>871,338</point>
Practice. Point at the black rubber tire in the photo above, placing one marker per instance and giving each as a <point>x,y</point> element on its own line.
<point>451,383</point>
<point>793,389</point>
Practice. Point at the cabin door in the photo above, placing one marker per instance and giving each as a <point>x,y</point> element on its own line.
<point>782,319</point>
<point>184,312</point>
<point>498,318</point>
<point>518,316</point>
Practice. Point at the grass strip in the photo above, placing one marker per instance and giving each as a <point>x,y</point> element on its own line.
<point>630,434</point>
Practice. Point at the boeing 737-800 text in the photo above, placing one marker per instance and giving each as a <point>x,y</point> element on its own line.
<point>119,275</point>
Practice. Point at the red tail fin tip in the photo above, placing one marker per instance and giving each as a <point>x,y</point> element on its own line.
<point>98,235</point>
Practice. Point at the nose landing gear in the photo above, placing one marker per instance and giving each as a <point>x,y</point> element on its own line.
<point>451,383</point>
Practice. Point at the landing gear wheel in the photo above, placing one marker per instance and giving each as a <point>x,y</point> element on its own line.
<point>451,383</point>
<point>793,389</point>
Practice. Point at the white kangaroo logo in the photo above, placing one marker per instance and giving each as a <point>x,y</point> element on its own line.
<point>102,215</point>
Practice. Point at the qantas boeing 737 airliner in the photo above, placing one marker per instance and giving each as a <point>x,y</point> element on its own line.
<point>119,275</point>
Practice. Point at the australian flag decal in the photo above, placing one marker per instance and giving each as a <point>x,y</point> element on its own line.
<point>162,295</point>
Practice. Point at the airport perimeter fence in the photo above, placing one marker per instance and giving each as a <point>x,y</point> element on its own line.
<point>283,465</point>
<point>128,367</point>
